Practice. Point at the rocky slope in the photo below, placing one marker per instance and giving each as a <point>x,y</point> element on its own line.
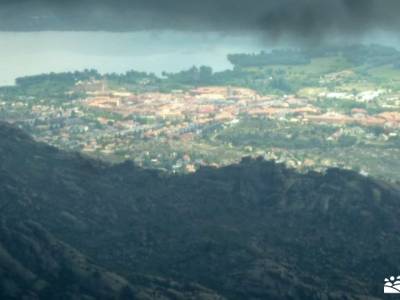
<point>255,230</point>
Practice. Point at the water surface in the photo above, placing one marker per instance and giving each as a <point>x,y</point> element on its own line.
<point>41,52</point>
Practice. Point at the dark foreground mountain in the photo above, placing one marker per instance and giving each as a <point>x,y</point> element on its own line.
<point>75,228</point>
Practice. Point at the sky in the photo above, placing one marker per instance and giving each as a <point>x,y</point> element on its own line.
<point>306,20</point>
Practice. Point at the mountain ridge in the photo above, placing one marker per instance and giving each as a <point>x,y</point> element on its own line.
<point>254,230</point>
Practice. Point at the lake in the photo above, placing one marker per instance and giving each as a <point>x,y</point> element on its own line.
<point>30,53</point>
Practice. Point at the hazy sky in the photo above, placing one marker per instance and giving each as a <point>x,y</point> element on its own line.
<point>298,19</point>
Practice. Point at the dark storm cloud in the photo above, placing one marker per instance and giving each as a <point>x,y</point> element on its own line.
<point>275,17</point>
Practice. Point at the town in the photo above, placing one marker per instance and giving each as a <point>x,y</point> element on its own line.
<point>183,129</point>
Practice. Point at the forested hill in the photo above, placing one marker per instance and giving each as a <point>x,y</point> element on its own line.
<point>255,230</point>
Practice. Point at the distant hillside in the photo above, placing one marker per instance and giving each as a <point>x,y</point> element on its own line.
<point>255,230</point>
